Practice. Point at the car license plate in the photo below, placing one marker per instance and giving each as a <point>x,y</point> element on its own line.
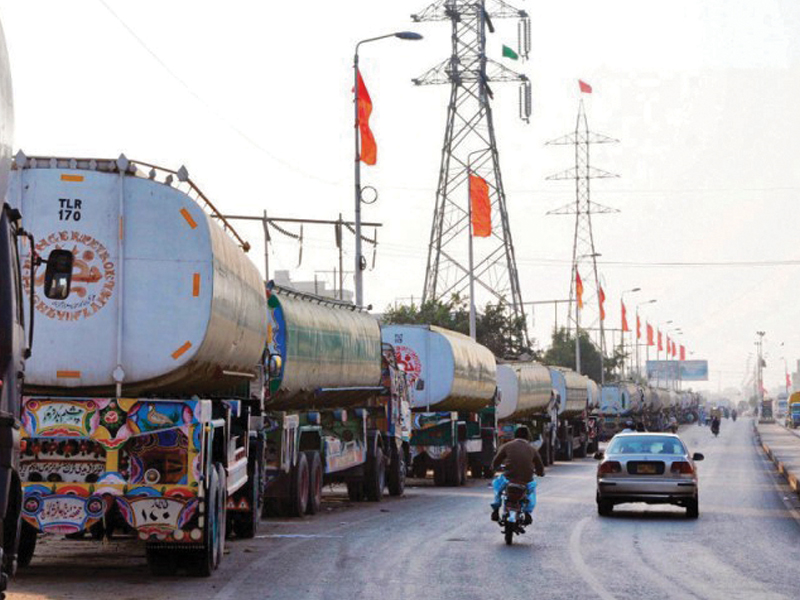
<point>645,469</point>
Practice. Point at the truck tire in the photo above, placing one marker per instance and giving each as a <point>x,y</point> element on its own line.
<point>581,450</point>
<point>440,473</point>
<point>462,464</point>
<point>397,472</point>
<point>314,482</point>
<point>452,473</point>
<point>375,477</point>
<point>568,452</point>
<point>206,558</point>
<point>27,544</point>
<point>295,505</point>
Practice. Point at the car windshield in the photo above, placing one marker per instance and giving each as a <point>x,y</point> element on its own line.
<point>646,444</point>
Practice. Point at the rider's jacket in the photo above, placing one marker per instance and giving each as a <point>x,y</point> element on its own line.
<point>521,460</point>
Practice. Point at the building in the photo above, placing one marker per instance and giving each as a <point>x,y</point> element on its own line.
<point>318,287</point>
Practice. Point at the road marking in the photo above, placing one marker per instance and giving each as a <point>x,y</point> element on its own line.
<point>580,565</point>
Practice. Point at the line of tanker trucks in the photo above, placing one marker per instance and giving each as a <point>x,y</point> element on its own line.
<point>174,395</point>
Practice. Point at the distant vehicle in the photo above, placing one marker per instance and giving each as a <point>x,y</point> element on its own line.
<point>782,406</point>
<point>649,468</point>
<point>793,416</point>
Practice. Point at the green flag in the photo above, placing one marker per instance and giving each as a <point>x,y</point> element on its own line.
<point>509,53</point>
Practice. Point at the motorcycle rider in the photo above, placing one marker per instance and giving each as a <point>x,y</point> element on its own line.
<point>715,422</point>
<point>521,460</point>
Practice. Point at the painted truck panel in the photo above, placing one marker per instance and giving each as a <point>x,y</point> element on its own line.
<point>321,348</point>
<point>447,370</point>
<point>525,389</point>
<point>149,263</point>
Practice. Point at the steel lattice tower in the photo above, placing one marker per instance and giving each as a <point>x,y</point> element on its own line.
<point>470,140</point>
<point>584,254</point>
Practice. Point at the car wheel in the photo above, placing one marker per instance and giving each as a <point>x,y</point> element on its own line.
<point>693,508</point>
<point>604,507</point>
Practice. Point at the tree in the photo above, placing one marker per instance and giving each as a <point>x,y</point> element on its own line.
<point>562,354</point>
<point>495,327</point>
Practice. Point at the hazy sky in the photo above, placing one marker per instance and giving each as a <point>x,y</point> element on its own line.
<point>254,98</point>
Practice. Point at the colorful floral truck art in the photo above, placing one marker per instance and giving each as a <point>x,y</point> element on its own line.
<point>83,457</point>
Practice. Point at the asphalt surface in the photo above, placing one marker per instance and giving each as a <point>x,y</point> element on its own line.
<point>438,543</point>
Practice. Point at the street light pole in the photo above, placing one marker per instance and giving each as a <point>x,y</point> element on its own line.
<point>359,260</point>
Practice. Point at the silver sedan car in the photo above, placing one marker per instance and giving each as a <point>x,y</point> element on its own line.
<point>655,468</point>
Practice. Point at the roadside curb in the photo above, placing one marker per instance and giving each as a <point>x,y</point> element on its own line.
<point>790,477</point>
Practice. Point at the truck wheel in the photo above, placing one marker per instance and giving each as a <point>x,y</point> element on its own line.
<point>568,450</point>
<point>453,467</point>
<point>463,459</point>
<point>27,544</point>
<point>314,482</point>
<point>440,473</point>
<point>206,558</point>
<point>295,505</point>
<point>375,479</point>
<point>580,451</point>
<point>397,473</point>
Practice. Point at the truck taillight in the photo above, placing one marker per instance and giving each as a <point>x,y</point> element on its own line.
<point>682,468</point>
<point>610,466</point>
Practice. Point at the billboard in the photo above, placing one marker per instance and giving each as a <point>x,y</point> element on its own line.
<point>677,370</point>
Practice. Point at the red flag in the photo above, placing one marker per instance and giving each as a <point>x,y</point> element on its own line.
<point>683,352</point>
<point>602,297</point>
<point>624,318</point>
<point>669,346</point>
<point>650,341</point>
<point>481,206</point>
<point>638,328</point>
<point>579,288</point>
<point>674,349</point>
<point>788,381</point>
<point>660,346</point>
<point>585,87</point>
<point>369,149</point>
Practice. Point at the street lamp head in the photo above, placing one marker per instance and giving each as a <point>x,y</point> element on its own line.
<point>636,290</point>
<point>408,35</point>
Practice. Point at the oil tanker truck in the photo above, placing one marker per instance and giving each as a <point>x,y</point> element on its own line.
<point>137,405</point>
<point>337,405</point>
<point>572,432</point>
<point>526,399</point>
<point>620,402</point>
<point>453,383</point>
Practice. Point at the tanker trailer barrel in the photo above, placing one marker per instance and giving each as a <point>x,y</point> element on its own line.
<point>452,380</point>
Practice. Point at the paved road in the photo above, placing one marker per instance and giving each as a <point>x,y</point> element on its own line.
<point>438,543</point>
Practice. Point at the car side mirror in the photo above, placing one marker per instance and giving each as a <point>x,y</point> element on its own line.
<point>697,456</point>
<point>599,455</point>
<point>58,275</point>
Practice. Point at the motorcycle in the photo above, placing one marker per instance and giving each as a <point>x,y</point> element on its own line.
<point>733,416</point>
<point>513,518</point>
<point>715,428</point>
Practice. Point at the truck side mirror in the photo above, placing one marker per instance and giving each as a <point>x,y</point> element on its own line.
<point>420,385</point>
<point>274,367</point>
<point>58,275</point>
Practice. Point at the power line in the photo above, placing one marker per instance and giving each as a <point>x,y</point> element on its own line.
<point>211,108</point>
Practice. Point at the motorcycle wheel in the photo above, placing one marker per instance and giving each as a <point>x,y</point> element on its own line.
<point>509,533</point>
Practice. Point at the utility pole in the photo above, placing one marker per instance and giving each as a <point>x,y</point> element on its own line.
<point>583,246</point>
<point>470,130</point>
